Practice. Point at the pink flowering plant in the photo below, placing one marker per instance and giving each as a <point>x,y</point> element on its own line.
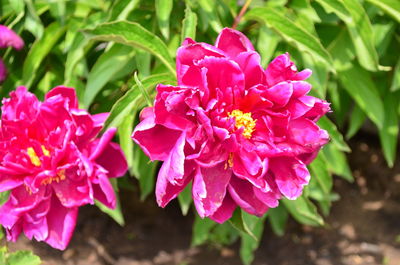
<point>52,161</point>
<point>241,134</point>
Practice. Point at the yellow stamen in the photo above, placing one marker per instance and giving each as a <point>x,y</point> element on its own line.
<point>244,120</point>
<point>33,156</point>
<point>45,151</point>
<point>60,176</point>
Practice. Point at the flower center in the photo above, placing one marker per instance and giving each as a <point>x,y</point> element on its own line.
<point>35,160</point>
<point>244,120</point>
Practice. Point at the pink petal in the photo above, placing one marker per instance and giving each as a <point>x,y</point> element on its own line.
<point>113,160</point>
<point>209,189</point>
<point>104,191</point>
<point>249,62</point>
<point>242,193</point>
<point>8,38</point>
<point>151,138</point>
<point>307,134</point>
<point>291,175</point>
<point>225,211</point>
<point>173,175</point>
<point>233,42</point>
<point>280,94</point>
<point>66,92</point>
<point>61,222</point>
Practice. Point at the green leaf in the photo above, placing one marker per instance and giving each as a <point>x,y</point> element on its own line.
<point>32,20</point>
<point>189,24</point>
<point>304,211</point>
<point>143,91</point>
<point>4,197</point>
<point>116,213</point>
<point>210,14</point>
<point>133,34</point>
<point>389,133</point>
<point>201,230</point>
<point>342,50</point>
<point>291,32</point>
<point>17,5</point>
<point>121,9</point>
<point>267,51</point>
<point>334,134</point>
<point>321,175</point>
<point>360,29</point>
<point>106,67</point>
<point>240,223</point>
<point>39,50</point>
<point>248,244</point>
<point>357,119</point>
<point>23,257</point>
<point>361,88</point>
<point>163,12</point>
<point>185,198</point>
<point>391,7</point>
<point>396,78</point>
<point>144,170</point>
<point>124,132</point>
<point>133,99</point>
<point>337,162</point>
<point>278,218</point>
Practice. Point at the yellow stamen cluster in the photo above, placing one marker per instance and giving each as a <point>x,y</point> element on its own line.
<point>60,176</point>
<point>244,120</point>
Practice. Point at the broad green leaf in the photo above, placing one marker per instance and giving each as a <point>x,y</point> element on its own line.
<point>389,133</point>
<point>266,44</point>
<point>143,91</point>
<point>337,162</point>
<point>189,24</point>
<point>124,132</point>
<point>23,257</point>
<point>75,54</point>
<point>278,218</point>
<point>304,211</point>
<point>121,9</point>
<point>185,199</point>
<point>32,20</point>
<point>106,67</point>
<point>291,32</point>
<point>144,170</point>
<point>163,12</point>
<point>357,119</point>
<point>396,77</point>
<point>201,230</point>
<point>321,175</point>
<point>342,50</point>
<point>240,223</point>
<point>134,100</point>
<point>39,50</point>
<point>334,134</point>
<point>17,5</point>
<point>116,213</point>
<point>360,29</point>
<point>319,78</point>
<point>223,234</point>
<point>133,34</point>
<point>248,244</point>
<point>383,33</point>
<point>211,15</point>
<point>391,7</point>
<point>3,253</point>
<point>361,88</point>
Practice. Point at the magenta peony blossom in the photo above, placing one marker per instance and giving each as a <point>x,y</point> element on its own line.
<point>53,162</point>
<point>241,134</point>
<point>8,38</point>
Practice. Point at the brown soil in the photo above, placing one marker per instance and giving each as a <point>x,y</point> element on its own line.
<point>363,228</point>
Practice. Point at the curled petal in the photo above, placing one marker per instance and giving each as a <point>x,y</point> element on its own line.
<point>233,42</point>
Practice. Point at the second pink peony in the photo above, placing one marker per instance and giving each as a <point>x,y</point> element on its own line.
<point>241,134</point>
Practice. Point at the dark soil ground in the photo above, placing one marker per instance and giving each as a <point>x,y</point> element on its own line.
<point>363,228</point>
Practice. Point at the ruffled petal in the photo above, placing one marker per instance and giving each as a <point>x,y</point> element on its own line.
<point>209,189</point>
<point>233,42</point>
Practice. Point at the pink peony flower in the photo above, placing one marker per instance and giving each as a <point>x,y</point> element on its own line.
<point>53,162</point>
<point>241,134</point>
<point>8,38</point>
